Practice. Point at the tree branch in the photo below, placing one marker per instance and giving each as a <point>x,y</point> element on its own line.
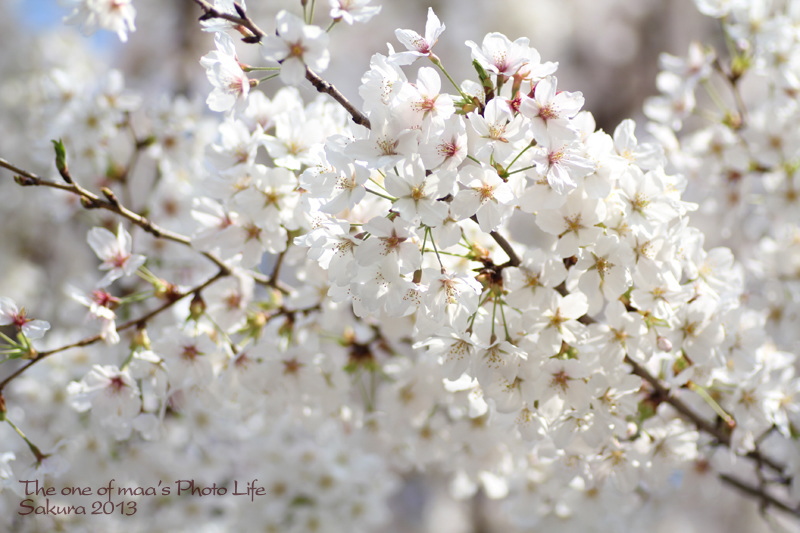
<point>129,324</point>
<point>723,437</point>
<point>241,20</point>
<point>513,258</point>
<point>766,498</point>
<point>325,87</point>
<point>89,200</point>
<point>320,84</point>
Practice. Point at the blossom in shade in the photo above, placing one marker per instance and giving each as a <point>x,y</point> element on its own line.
<point>11,315</point>
<point>116,253</point>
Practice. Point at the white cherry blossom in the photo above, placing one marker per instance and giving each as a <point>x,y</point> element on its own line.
<point>296,47</point>
<point>116,253</point>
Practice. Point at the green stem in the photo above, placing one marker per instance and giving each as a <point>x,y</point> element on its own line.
<point>252,69</point>
<point>505,323</point>
<point>7,339</point>
<point>436,61</point>
<point>433,242</point>
<point>712,403</point>
<point>376,193</point>
<point>531,145</point>
<point>521,170</point>
<point>262,80</point>
<point>494,321</point>
<point>33,448</point>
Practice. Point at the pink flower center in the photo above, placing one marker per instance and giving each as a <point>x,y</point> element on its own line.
<point>120,260</point>
<point>116,384</point>
<point>448,149</point>
<point>104,299</point>
<point>190,352</point>
<point>20,319</point>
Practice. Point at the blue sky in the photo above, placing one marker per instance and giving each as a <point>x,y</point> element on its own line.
<point>40,12</point>
<point>43,14</point>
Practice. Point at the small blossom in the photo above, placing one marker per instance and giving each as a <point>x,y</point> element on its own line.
<point>111,394</point>
<point>296,47</point>
<point>115,252</point>
<point>352,11</point>
<point>11,315</point>
<point>231,84</point>
<point>417,45</point>
<point>114,15</point>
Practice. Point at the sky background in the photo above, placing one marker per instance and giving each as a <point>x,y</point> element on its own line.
<point>39,13</point>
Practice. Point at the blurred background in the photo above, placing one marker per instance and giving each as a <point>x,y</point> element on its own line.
<point>606,48</point>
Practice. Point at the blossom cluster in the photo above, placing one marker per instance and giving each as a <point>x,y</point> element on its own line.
<point>467,278</point>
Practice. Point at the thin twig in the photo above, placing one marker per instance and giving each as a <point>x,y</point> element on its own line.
<point>723,437</point>
<point>92,201</point>
<point>502,242</point>
<point>758,492</point>
<point>325,87</point>
<point>241,20</point>
<point>513,258</point>
<point>129,324</point>
<point>276,270</point>
<point>320,84</point>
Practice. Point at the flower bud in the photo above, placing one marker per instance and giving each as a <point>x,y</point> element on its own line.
<point>663,344</point>
<point>141,340</point>
<point>61,160</point>
<point>197,307</point>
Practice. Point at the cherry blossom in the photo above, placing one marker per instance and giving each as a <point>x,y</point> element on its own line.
<point>438,282</point>
<point>231,84</point>
<point>353,10</point>
<point>296,47</point>
<point>114,15</point>
<point>116,253</point>
<point>416,44</point>
<point>11,315</point>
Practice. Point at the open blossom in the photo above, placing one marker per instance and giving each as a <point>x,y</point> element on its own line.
<point>417,193</point>
<point>499,55</point>
<point>111,394</point>
<point>417,45</point>
<point>392,243</point>
<point>223,6</point>
<point>296,47</point>
<point>352,11</point>
<point>101,306</point>
<point>11,315</point>
<point>486,195</point>
<point>114,15</point>
<point>116,253</point>
<point>231,84</point>
<point>550,110</point>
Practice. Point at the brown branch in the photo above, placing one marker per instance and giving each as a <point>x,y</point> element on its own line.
<point>766,498</point>
<point>722,436</point>
<point>325,87</point>
<point>684,410</point>
<point>89,200</point>
<point>241,20</point>
<point>513,258</point>
<point>276,270</point>
<point>127,325</point>
<point>320,84</point>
